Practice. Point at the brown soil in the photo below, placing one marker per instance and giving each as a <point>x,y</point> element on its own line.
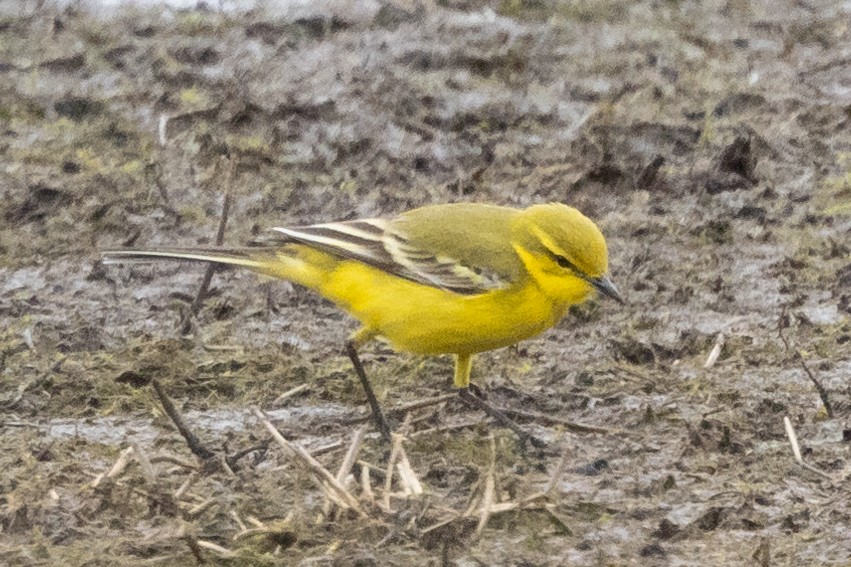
<point>711,141</point>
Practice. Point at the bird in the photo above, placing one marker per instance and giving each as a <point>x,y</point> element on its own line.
<point>447,279</point>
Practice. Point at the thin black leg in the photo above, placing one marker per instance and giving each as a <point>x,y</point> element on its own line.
<point>377,414</point>
<point>478,403</point>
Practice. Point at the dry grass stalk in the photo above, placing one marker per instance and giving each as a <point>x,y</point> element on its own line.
<point>395,453</point>
<point>118,468</point>
<point>290,393</point>
<point>391,462</point>
<point>570,425</point>
<point>715,353</point>
<point>329,448</point>
<point>474,499</point>
<point>332,497</point>
<point>199,509</point>
<point>174,461</point>
<point>796,450</point>
<point>351,454</point>
<point>793,439</point>
<point>530,502</point>
<point>324,479</point>
<point>419,404</point>
<point>214,547</point>
<point>489,490</point>
<point>366,486</point>
<point>347,464</point>
<point>410,482</point>
<point>223,461</point>
<point>161,130</point>
<point>254,521</point>
<point>238,520</point>
<point>187,484</point>
<point>445,428</point>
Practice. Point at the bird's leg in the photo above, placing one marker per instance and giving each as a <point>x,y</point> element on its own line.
<point>352,350</point>
<point>463,366</point>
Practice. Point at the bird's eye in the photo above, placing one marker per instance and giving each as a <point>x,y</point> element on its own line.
<point>564,262</point>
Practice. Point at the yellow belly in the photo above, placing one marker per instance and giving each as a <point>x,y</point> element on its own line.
<point>426,320</point>
<point>418,318</point>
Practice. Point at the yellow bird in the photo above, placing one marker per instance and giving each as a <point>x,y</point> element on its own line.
<point>443,279</point>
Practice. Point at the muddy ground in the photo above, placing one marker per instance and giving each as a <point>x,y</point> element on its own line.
<point>710,140</point>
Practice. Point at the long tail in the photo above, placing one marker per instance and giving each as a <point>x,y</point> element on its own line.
<point>294,262</point>
<point>252,258</point>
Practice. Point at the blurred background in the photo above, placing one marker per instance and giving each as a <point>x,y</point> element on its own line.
<point>711,141</point>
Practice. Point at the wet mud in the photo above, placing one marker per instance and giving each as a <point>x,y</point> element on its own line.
<point>711,142</point>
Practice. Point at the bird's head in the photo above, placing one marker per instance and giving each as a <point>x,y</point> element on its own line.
<point>564,251</point>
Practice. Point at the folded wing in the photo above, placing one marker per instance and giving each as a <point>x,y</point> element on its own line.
<point>454,256</point>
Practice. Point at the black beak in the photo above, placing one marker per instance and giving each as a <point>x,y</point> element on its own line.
<point>605,286</point>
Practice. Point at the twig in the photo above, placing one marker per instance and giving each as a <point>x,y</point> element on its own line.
<point>156,172</point>
<point>198,449</point>
<point>405,408</point>
<point>446,428</point>
<point>211,267</point>
<point>715,353</point>
<point>333,446</point>
<point>822,392</point>
<point>290,393</point>
<point>571,425</point>
<point>796,450</point>
<point>419,404</point>
<point>174,460</point>
<point>780,328</point>
<point>325,477</point>
<point>262,447</point>
<point>221,348</point>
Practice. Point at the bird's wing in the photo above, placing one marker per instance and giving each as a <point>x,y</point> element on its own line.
<point>453,247</point>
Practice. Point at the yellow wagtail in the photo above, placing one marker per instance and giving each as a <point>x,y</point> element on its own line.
<point>444,279</point>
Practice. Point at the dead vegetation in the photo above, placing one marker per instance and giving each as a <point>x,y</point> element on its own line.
<point>147,419</point>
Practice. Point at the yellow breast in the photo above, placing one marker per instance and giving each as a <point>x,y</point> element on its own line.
<point>426,320</point>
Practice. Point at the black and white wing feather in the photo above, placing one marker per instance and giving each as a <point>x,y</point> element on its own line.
<point>382,244</point>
